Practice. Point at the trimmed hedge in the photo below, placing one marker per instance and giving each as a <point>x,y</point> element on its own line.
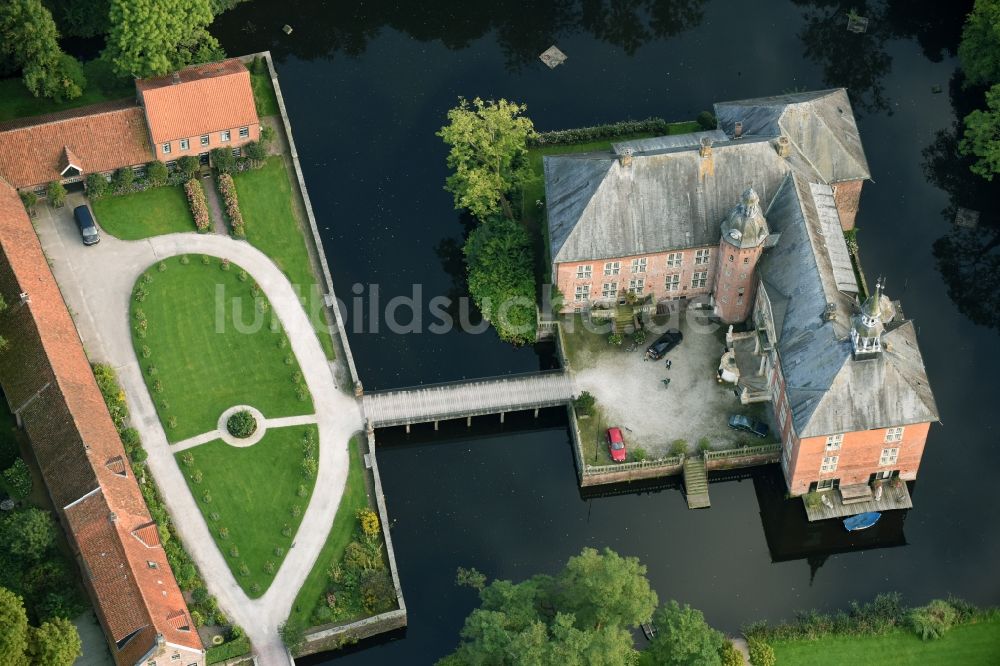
<point>600,132</point>
<point>199,205</point>
<point>227,188</point>
<point>234,648</point>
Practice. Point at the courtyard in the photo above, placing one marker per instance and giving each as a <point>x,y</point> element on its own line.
<point>692,412</point>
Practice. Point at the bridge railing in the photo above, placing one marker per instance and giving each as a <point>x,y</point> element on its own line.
<point>671,461</point>
<point>743,452</point>
<point>471,382</point>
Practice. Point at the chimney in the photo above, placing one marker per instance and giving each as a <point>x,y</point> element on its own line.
<point>830,313</point>
<point>784,147</point>
<point>706,147</point>
<point>738,129</point>
<point>175,79</point>
<point>113,517</point>
<point>626,157</point>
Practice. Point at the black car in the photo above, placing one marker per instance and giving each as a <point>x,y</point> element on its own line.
<point>88,227</point>
<point>747,424</point>
<point>664,344</point>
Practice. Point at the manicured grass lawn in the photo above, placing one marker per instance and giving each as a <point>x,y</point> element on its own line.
<point>102,86</point>
<point>272,227</point>
<point>313,590</point>
<point>161,210</point>
<point>207,359</point>
<point>968,645</point>
<point>253,491</point>
<point>263,94</point>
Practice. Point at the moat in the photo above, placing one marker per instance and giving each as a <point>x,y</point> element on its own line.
<point>366,87</point>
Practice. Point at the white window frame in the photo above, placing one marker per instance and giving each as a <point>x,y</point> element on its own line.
<point>204,140</point>
<point>672,282</point>
<point>612,267</point>
<point>582,293</point>
<point>825,484</point>
<point>225,136</point>
<point>165,148</point>
<point>890,456</point>
<point>702,257</point>
<point>237,151</point>
<point>636,286</point>
<point>782,414</point>
<point>894,434</point>
<point>609,290</point>
<point>675,259</point>
<point>639,264</point>
<point>584,272</point>
<point>185,144</point>
<point>829,464</point>
<point>834,442</point>
<point>244,132</point>
<point>699,279</point>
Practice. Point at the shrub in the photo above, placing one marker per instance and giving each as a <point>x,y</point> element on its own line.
<point>704,444</point>
<point>223,532</point>
<point>933,620</point>
<point>227,188</point>
<point>279,551</point>
<point>286,530</point>
<point>205,260</point>
<point>255,151</point>
<point>162,266</point>
<point>639,337</point>
<point>146,351</point>
<point>122,180</point>
<point>706,120</point>
<point>171,422</point>
<point>157,173</point>
<point>615,339</point>
<point>234,552</point>
<point>97,186</point>
<point>639,454</point>
<point>224,264</point>
<point>29,199</point>
<point>309,467</point>
<point>18,478</point>
<point>197,476</point>
<point>377,593</point>
<point>368,520</point>
<point>206,497</point>
<point>267,135</point>
<point>188,458</point>
<point>296,510</point>
<point>303,490</point>
<point>188,166</point>
<point>255,588</point>
<point>214,516</point>
<point>223,160</point>
<point>678,447</point>
<point>584,403</point>
<point>269,567</point>
<point>57,194</point>
<point>729,655</point>
<point>139,455</point>
<point>184,260</point>
<point>761,653</point>
<point>244,569</point>
<point>242,424</point>
<point>292,633</point>
<point>198,204</point>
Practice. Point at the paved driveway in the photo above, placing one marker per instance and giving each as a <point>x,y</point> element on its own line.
<point>97,284</point>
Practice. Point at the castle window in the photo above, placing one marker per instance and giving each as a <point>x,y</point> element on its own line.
<point>583,272</point>
<point>612,267</point>
<point>609,290</point>
<point>204,139</point>
<point>894,434</point>
<point>166,148</point>
<point>244,132</point>
<point>889,456</point>
<point>739,296</point>
<point>636,285</point>
<point>746,260</point>
<point>639,265</point>
<point>825,484</point>
<point>184,144</point>
<point>731,257</point>
<point>699,279</point>
<point>674,259</point>
<point>833,442</point>
<point>224,135</point>
<point>829,464</point>
<point>701,257</point>
<point>582,292</point>
<point>673,282</point>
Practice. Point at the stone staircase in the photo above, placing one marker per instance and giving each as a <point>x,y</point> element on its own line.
<point>696,483</point>
<point>623,318</point>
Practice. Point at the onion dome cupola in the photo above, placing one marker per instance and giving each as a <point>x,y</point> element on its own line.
<point>868,327</point>
<point>745,227</point>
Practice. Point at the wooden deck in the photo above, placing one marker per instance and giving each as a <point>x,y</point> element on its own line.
<point>892,498</point>
<point>440,402</point>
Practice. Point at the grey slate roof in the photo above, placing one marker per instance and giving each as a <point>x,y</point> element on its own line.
<point>657,143</point>
<point>820,126</point>
<point>668,198</point>
<point>828,391</point>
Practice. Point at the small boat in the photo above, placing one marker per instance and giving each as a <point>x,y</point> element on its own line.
<point>861,521</point>
<point>649,629</point>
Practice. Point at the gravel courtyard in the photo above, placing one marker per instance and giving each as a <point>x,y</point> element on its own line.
<point>630,393</point>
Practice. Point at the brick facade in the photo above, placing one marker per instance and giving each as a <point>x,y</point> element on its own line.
<point>736,281</point>
<point>847,197</point>
<point>214,138</point>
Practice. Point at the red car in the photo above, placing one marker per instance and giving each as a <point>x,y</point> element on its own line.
<point>616,445</point>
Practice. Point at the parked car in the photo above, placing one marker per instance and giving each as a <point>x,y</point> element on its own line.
<point>747,424</point>
<point>88,227</point>
<point>664,344</point>
<point>616,445</point>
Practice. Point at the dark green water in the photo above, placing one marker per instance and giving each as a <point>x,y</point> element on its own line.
<point>368,84</point>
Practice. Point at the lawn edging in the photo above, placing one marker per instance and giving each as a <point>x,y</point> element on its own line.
<point>330,296</point>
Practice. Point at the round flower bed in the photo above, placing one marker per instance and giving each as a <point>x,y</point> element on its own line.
<point>241,424</point>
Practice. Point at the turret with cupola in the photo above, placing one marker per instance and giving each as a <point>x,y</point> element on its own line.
<point>743,234</point>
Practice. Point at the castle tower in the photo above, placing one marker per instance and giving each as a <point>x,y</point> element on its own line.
<point>743,236</point>
<point>867,326</point>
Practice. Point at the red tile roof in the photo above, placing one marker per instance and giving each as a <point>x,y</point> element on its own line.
<point>198,100</point>
<point>74,440</point>
<point>95,138</point>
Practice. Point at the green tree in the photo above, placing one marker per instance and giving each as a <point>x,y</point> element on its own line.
<point>81,18</point>
<point>151,37</point>
<point>57,194</point>
<point>489,148</point>
<point>157,173</point>
<point>13,629</point>
<point>223,160</point>
<point>532,622</point>
<point>979,50</point>
<point>97,185</point>
<point>30,39</point>
<point>501,278</point>
<point>55,643</point>
<point>982,136</point>
<point>683,638</point>
<point>29,534</point>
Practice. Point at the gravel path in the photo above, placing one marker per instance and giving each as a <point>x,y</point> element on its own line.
<point>97,284</point>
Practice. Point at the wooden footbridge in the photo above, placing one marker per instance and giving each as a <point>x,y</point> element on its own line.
<point>465,399</point>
